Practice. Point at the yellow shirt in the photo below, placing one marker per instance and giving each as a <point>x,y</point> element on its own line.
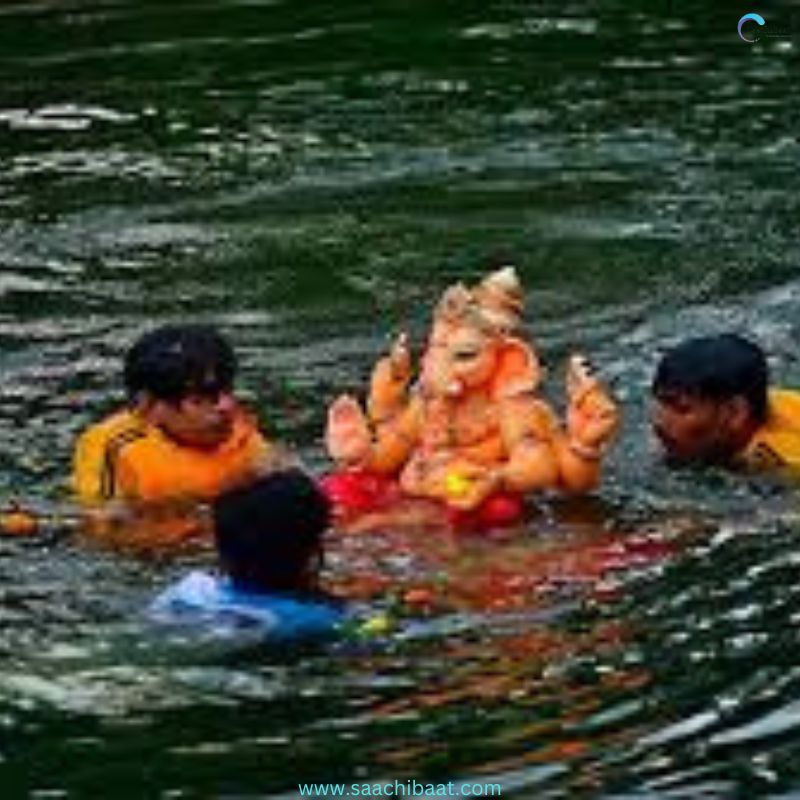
<point>124,457</point>
<point>776,445</point>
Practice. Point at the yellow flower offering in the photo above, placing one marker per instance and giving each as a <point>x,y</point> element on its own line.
<point>456,484</point>
<point>376,625</point>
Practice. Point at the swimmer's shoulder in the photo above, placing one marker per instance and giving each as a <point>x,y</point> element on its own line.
<point>204,599</point>
<point>121,424</point>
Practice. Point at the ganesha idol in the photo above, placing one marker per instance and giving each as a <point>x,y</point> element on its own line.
<point>471,431</point>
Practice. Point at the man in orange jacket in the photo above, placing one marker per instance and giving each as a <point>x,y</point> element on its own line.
<point>713,404</point>
<point>182,439</point>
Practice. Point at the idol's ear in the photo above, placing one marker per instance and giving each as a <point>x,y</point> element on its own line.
<point>518,370</point>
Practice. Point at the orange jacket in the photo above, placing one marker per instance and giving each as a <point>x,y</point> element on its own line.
<point>124,457</point>
<point>776,444</point>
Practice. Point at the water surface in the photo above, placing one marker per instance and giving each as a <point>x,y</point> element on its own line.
<point>310,178</point>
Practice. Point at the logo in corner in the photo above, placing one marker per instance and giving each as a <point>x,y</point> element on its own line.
<point>756,18</point>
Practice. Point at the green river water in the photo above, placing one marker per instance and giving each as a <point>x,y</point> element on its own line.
<point>309,177</point>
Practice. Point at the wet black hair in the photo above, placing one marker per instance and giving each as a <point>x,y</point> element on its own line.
<point>268,532</point>
<point>174,361</point>
<point>716,368</point>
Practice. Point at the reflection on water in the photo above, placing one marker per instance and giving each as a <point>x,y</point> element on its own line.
<point>309,179</point>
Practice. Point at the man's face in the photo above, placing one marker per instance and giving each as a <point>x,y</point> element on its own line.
<point>203,421</point>
<point>692,429</point>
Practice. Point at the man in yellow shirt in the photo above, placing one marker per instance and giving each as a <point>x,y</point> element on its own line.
<point>713,404</point>
<point>182,439</point>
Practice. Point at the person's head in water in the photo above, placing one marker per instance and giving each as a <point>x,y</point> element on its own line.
<point>269,532</point>
<point>180,377</point>
<point>709,398</point>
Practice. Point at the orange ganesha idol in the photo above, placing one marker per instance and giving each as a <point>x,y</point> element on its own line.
<point>471,433</point>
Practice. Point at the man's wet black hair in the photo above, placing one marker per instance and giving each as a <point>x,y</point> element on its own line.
<point>174,361</point>
<point>269,531</point>
<point>716,368</point>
